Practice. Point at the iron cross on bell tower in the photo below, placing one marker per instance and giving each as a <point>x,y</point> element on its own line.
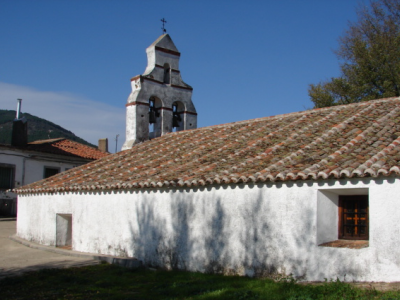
<point>163,26</point>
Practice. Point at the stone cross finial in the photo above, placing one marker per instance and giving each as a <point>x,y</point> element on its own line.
<point>163,25</point>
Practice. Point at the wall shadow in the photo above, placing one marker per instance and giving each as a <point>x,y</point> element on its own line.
<point>262,235</point>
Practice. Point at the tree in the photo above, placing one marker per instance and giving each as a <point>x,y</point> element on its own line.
<point>370,58</point>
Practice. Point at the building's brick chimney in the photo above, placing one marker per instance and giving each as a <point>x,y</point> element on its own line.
<point>20,128</point>
<point>103,145</point>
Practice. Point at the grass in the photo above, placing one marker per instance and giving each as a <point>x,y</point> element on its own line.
<point>112,282</point>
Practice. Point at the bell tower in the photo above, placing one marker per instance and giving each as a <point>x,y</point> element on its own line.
<point>160,102</point>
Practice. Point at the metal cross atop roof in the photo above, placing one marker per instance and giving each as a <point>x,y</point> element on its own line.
<point>163,25</point>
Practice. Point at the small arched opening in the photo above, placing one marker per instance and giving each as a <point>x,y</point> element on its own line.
<point>155,105</point>
<point>178,116</point>
<point>167,74</point>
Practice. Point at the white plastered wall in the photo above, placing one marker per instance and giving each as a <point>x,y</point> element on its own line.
<point>29,167</point>
<point>244,229</point>
<point>137,117</point>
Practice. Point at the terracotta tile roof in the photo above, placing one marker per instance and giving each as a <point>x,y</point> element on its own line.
<point>356,140</point>
<point>64,146</point>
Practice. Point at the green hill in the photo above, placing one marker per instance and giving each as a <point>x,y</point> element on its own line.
<point>38,129</point>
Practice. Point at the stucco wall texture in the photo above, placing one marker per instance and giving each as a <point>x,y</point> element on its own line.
<point>162,58</point>
<point>238,229</point>
<point>29,168</point>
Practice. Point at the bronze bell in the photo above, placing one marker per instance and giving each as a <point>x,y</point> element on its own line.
<point>152,116</point>
<point>176,118</point>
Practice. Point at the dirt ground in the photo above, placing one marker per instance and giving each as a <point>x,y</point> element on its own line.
<point>16,258</point>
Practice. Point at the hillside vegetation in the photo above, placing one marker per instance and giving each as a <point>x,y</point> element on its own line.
<point>38,129</point>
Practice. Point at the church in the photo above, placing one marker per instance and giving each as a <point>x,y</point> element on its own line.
<point>314,193</point>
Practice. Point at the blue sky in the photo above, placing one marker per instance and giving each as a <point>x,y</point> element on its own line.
<point>71,61</point>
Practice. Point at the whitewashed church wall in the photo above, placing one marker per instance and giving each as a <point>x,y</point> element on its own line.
<point>245,229</point>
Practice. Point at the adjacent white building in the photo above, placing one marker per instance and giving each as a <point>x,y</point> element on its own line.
<point>36,161</point>
<point>314,194</point>
<point>22,163</point>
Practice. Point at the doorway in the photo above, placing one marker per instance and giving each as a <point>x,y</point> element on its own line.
<point>64,231</point>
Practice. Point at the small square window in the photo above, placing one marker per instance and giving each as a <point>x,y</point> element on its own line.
<point>343,218</point>
<point>353,217</point>
<point>50,171</point>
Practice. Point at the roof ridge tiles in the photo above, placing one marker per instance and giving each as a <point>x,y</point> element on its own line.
<point>65,146</point>
<point>356,140</point>
<point>282,161</point>
<point>203,156</point>
<point>380,154</point>
<point>314,166</point>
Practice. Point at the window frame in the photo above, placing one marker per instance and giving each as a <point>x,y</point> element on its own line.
<point>343,199</point>
<point>52,168</point>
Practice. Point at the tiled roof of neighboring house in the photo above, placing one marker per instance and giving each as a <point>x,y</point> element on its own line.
<point>356,140</point>
<point>64,146</point>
